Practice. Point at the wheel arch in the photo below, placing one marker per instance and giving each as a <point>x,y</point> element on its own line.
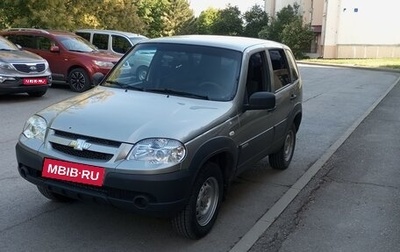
<point>220,150</point>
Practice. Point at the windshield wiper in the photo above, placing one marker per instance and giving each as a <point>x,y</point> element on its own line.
<point>176,92</point>
<point>124,85</point>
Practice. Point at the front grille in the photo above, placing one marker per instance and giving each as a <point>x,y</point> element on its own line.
<point>30,68</point>
<point>92,140</point>
<point>81,153</point>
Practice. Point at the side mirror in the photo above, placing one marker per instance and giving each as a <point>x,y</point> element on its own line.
<point>97,78</point>
<point>54,48</point>
<point>261,101</point>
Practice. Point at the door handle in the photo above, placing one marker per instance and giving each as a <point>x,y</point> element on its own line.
<point>293,96</point>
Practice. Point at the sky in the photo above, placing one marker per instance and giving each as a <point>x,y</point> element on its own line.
<point>244,5</point>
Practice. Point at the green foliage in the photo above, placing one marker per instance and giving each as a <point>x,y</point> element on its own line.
<point>228,22</point>
<point>256,19</point>
<point>288,28</point>
<point>206,20</point>
<point>164,17</point>
<point>297,37</point>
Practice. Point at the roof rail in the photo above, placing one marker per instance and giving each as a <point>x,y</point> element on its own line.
<point>28,29</point>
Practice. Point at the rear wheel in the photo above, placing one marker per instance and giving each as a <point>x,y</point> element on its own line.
<point>281,159</point>
<point>141,73</point>
<point>78,80</point>
<point>53,196</point>
<point>198,217</point>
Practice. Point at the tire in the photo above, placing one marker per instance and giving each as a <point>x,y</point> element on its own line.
<point>53,196</point>
<point>141,73</point>
<point>37,93</point>
<point>199,215</point>
<point>281,159</point>
<point>78,80</point>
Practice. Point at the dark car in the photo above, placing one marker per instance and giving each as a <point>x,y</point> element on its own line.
<point>170,142</point>
<point>72,59</point>
<point>22,71</point>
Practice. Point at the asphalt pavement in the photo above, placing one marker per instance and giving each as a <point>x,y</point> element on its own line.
<point>352,202</point>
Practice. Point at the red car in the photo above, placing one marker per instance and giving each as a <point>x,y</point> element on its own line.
<point>72,59</point>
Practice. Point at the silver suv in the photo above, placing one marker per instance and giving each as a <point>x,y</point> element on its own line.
<point>22,71</point>
<point>169,144</point>
<point>113,41</point>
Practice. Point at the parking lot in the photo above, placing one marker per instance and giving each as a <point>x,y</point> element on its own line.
<point>334,99</point>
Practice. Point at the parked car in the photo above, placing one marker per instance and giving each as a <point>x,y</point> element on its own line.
<point>169,144</point>
<point>72,59</point>
<point>111,40</point>
<point>22,71</point>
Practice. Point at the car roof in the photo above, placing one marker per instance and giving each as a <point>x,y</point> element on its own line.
<point>39,31</point>
<point>116,32</point>
<point>229,42</point>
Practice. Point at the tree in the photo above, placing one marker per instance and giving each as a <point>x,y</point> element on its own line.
<point>206,20</point>
<point>298,37</point>
<point>178,12</point>
<point>288,28</point>
<point>71,14</point>
<point>164,17</point>
<point>228,22</point>
<point>255,20</point>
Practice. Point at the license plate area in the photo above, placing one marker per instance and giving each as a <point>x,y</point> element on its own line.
<point>34,81</point>
<point>73,172</point>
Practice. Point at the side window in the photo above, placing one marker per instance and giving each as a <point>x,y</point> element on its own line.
<point>23,40</point>
<point>84,35</point>
<point>101,41</point>
<point>120,44</point>
<point>43,43</point>
<point>280,68</point>
<point>257,74</point>
<point>292,65</point>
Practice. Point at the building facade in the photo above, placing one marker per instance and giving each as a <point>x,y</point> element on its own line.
<point>349,28</point>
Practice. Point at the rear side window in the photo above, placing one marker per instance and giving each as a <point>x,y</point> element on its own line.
<point>101,41</point>
<point>292,65</point>
<point>23,40</point>
<point>280,68</point>
<point>84,35</point>
<point>43,43</point>
<point>120,44</point>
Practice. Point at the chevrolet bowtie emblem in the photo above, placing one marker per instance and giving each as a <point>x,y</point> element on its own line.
<point>79,144</point>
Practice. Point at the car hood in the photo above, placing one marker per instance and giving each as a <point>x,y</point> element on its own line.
<point>101,55</point>
<point>129,116</point>
<point>20,56</point>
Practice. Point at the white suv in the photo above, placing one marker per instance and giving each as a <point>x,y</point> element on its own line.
<point>111,40</point>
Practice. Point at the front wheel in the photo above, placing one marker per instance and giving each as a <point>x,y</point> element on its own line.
<point>78,80</point>
<point>198,217</point>
<point>281,159</point>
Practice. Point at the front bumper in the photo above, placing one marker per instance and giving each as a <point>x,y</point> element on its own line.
<point>156,194</point>
<point>16,86</point>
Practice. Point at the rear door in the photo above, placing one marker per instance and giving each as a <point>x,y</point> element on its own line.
<point>284,86</point>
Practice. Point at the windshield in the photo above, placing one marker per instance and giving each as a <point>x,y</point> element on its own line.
<point>77,44</point>
<point>7,45</point>
<point>184,70</point>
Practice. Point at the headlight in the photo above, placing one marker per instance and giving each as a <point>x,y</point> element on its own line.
<point>103,63</point>
<point>35,127</point>
<point>6,66</point>
<point>158,151</point>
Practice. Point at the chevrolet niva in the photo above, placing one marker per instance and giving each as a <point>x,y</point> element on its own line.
<point>169,144</point>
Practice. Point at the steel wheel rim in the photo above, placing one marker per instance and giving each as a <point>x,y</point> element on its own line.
<point>288,147</point>
<point>142,74</point>
<point>78,80</point>
<point>207,201</point>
